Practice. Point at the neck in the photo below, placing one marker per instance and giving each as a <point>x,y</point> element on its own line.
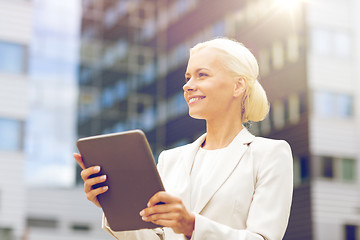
<point>221,132</point>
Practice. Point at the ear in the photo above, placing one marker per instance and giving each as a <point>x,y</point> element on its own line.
<point>240,86</point>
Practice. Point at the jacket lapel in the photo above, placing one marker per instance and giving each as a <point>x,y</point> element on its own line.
<point>226,166</point>
<point>188,157</point>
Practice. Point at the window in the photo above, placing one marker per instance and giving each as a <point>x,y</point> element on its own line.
<point>294,108</point>
<point>10,134</point>
<point>344,105</point>
<point>89,103</point>
<point>351,232</point>
<point>149,30</point>
<point>323,103</point>
<point>13,58</point>
<point>321,41</point>
<point>331,42</point>
<point>42,223</point>
<point>107,97</point>
<point>327,167</point>
<point>348,169</point>
<point>230,25</point>
<point>301,169</point>
<point>6,234</point>
<point>162,66</point>
<point>80,227</point>
<point>162,20</point>
<point>330,104</point>
<point>110,17</point>
<point>278,114</point>
<point>293,50</point>
<point>277,55</point>
<point>148,118</point>
<point>304,168</point>
<point>240,20</point>
<point>338,168</point>
<point>121,90</point>
<point>176,106</point>
<point>264,61</point>
<point>342,44</point>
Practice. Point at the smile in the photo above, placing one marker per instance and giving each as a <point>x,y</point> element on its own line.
<point>195,99</point>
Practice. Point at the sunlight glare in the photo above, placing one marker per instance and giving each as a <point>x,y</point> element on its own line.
<point>289,4</point>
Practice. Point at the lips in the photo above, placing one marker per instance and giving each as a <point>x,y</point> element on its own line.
<point>195,99</point>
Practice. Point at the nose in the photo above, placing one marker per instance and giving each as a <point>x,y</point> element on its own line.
<point>189,86</point>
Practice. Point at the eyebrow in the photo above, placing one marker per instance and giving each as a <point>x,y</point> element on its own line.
<point>197,70</point>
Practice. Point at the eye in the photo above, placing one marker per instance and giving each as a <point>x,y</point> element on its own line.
<point>187,79</point>
<point>201,74</point>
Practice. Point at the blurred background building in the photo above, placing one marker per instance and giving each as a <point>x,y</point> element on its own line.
<point>133,56</point>
<point>133,59</point>
<point>15,37</point>
<point>38,95</point>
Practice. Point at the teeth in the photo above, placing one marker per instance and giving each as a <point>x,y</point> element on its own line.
<point>194,99</point>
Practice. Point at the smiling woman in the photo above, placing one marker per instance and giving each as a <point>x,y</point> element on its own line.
<point>228,184</point>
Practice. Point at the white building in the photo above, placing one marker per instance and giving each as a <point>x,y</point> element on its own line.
<point>333,72</point>
<point>30,90</point>
<point>15,35</point>
<point>62,214</point>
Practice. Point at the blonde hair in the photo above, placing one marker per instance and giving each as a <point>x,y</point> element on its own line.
<point>242,63</point>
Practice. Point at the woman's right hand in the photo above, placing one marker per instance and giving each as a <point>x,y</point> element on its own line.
<point>91,194</point>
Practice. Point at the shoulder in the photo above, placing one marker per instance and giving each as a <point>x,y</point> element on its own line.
<point>271,154</point>
<point>170,156</point>
<point>266,145</point>
<point>174,151</point>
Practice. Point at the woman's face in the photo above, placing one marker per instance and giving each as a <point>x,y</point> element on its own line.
<point>209,88</point>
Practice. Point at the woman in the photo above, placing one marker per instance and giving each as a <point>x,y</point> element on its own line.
<point>228,184</point>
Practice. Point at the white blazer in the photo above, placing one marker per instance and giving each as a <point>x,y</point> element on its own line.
<point>248,195</point>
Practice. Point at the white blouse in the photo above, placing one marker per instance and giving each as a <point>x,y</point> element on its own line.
<point>203,166</point>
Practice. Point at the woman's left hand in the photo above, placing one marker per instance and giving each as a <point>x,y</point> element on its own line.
<point>172,213</point>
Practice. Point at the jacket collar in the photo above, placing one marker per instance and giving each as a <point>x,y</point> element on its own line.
<point>232,157</point>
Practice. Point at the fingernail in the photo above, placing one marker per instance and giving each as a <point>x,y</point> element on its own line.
<point>97,169</point>
<point>148,204</point>
<point>144,218</point>
<point>142,213</point>
<point>103,177</point>
<point>105,187</point>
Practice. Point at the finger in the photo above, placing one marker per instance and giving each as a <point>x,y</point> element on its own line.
<point>163,208</point>
<point>79,160</point>
<point>159,216</point>
<point>165,222</point>
<point>90,182</point>
<point>163,197</point>
<point>92,195</point>
<point>89,171</point>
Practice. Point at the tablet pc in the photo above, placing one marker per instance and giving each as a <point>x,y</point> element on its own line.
<point>132,177</point>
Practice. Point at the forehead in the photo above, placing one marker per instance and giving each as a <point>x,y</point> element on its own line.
<point>205,58</point>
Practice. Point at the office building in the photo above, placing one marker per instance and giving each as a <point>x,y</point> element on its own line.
<point>15,34</point>
<point>134,56</point>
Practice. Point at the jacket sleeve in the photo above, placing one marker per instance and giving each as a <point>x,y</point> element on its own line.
<point>270,208</point>
<point>148,234</point>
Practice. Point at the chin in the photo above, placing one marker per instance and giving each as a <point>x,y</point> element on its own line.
<point>196,115</point>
